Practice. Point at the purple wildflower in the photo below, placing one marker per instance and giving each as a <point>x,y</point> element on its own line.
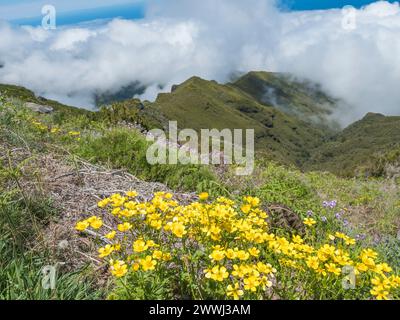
<point>310,213</point>
<point>324,219</point>
<point>329,204</point>
<point>360,237</point>
<point>332,204</point>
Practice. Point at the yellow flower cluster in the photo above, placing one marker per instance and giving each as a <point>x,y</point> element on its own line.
<point>382,285</point>
<point>238,251</point>
<point>54,130</point>
<point>93,222</point>
<point>347,240</point>
<point>39,125</point>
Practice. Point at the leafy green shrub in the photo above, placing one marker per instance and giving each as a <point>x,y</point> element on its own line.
<point>125,148</point>
<point>287,187</point>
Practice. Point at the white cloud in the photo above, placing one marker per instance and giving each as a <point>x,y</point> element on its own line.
<point>212,39</point>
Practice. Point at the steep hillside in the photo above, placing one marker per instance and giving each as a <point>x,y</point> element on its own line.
<point>302,99</point>
<point>358,146</point>
<point>201,104</point>
<point>27,95</point>
<point>131,110</point>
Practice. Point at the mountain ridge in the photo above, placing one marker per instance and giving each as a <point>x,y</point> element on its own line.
<point>282,134</point>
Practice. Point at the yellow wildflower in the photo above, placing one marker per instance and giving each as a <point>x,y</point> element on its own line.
<point>82,225</point>
<point>124,227</point>
<point>157,254</point>
<point>178,229</point>
<point>119,268</point>
<point>234,291</point>
<point>332,268</point>
<point>203,196</point>
<point>111,235</point>
<point>140,246</point>
<point>246,208</point>
<point>251,283</point>
<point>254,252</point>
<point>148,264</point>
<point>131,194</point>
<point>309,222</point>
<point>106,251</point>
<point>95,222</point>
<point>217,255</point>
<point>217,273</point>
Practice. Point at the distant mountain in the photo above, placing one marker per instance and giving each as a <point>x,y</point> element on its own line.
<point>358,147</point>
<point>302,99</point>
<point>201,104</point>
<point>125,93</point>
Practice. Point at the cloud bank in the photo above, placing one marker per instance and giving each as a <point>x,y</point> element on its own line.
<point>354,55</point>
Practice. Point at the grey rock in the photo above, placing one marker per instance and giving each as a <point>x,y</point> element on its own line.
<point>38,108</point>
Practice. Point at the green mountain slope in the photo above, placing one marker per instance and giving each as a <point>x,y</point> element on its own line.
<point>358,146</point>
<point>27,95</point>
<point>301,99</point>
<point>201,104</point>
<point>129,110</point>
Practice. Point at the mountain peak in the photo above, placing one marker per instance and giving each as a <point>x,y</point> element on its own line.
<point>373,115</point>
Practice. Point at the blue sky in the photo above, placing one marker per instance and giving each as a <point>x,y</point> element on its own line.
<point>70,11</point>
<point>74,11</point>
<point>324,4</point>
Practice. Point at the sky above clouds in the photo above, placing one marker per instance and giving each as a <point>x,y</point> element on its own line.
<point>323,4</point>
<point>24,12</point>
<point>19,9</point>
<point>354,55</point>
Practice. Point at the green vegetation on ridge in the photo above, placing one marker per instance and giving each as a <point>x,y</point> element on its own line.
<point>289,118</point>
<point>359,148</point>
<point>301,99</point>
<point>201,104</point>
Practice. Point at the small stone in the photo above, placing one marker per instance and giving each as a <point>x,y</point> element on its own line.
<point>38,108</point>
